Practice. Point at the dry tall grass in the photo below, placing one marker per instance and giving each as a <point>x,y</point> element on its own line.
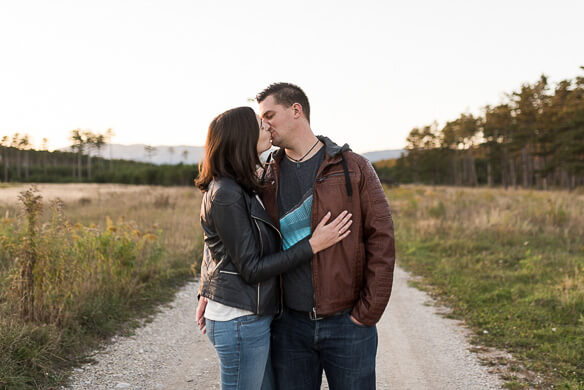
<point>171,211</point>
<point>469,210</point>
<point>82,268</point>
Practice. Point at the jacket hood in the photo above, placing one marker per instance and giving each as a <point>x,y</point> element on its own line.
<point>331,148</point>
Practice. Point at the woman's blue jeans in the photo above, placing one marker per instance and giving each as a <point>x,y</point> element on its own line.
<point>243,347</point>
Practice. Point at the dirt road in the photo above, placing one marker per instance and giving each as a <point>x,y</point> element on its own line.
<point>418,349</point>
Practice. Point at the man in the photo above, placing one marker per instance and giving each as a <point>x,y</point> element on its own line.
<point>332,303</point>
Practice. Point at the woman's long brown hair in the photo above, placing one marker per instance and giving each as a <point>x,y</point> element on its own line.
<point>231,150</point>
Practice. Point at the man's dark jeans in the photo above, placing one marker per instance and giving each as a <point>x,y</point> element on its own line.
<point>302,348</point>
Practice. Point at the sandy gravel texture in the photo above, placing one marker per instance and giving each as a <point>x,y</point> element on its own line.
<point>418,349</point>
<point>421,349</point>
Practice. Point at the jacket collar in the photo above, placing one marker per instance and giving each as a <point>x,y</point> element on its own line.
<point>332,150</point>
<point>334,155</point>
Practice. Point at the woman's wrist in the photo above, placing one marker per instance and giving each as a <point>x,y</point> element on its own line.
<point>313,245</point>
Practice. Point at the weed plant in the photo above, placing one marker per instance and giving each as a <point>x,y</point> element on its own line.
<point>70,278</point>
<point>511,263</point>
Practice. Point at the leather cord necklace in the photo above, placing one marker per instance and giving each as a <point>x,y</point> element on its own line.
<point>299,160</point>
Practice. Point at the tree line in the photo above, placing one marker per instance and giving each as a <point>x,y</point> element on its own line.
<point>534,139</point>
<point>20,162</point>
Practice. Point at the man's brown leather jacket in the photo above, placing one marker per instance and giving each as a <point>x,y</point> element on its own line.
<point>356,273</point>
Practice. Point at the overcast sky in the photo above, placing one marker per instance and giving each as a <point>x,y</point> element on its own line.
<point>158,71</point>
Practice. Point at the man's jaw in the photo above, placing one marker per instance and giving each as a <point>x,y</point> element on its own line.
<point>275,142</point>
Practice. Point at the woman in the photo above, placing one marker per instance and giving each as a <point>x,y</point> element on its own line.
<point>241,256</point>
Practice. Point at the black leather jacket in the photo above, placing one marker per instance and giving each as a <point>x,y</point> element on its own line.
<point>242,254</point>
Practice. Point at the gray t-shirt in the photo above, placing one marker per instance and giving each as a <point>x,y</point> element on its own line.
<point>295,212</point>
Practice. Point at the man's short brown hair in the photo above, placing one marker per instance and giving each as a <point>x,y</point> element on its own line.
<point>286,94</point>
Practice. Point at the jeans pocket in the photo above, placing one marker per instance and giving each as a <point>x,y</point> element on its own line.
<point>348,317</point>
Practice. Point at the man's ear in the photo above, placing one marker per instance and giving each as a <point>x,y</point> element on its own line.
<point>297,110</point>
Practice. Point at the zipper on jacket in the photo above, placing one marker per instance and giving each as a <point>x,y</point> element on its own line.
<point>260,235</point>
<point>227,272</point>
<point>274,183</point>
<point>261,253</point>
<point>323,178</point>
<point>268,223</point>
<point>258,311</point>
<point>256,219</point>
<point>312,262</point>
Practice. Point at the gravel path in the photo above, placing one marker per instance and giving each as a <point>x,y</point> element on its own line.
<point>167,353</point>
<point>418,349</point>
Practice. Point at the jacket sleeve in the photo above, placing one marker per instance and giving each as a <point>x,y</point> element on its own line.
<point>378,239</point>
<point>234,226</point>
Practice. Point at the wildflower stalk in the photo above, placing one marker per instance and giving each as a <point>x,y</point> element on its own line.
<point>32,205</point>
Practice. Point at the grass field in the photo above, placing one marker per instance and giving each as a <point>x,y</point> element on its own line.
<point>511,263</point>
<point>86,269</point>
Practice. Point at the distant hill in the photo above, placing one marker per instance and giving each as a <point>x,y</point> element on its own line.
<point>384,154</point>
<point>174,154</point>
<point>161,154</point>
